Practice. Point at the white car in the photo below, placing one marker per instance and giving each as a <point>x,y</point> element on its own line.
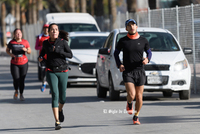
<point>72,22</point>
<point>168,70</point>
<point>84,46</point>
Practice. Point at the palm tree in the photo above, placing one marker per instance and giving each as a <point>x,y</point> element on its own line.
<point>152,4</point>
<point>23,4</point>
<point>23,15</point>
<point>12,11</point>
<point>113,13</point>
<point>30,19</point>
<point>99,8</point>
<point>82,4</point>
<point>3,24</point>
<point>34,12</point>
<point>71,5</point>
<point>91,7</point>
<point>184,2</point>
<point>132,6</point>
<point>17,14</point>
<point>39,4</point>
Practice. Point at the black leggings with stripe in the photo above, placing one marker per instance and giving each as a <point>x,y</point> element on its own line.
<point>19,73</point>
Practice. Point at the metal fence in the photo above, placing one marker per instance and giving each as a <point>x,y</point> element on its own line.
<point>183,22</point>
<point>30,32</point>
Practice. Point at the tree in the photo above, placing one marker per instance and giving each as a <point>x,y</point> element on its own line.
<point>82,4</point>
<point>184,2</point>
<point>30,19</point>
<point>99,8</point>
<point>12,11</point>
<point>152,4</point>
<point>34,11</point>
<point>90,7</point>
<point>17,14</point>
<point>132,6</point>
<point>113,13</point>
<point>71,6</point>
<point>39,4</point>
<point>23,5</point>
<point>23,15</point>
<point>3,24</point>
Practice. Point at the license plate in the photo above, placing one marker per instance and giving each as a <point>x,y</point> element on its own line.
<point>154,80</point>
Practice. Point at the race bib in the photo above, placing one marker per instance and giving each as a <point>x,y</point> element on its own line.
<point>18,59</point>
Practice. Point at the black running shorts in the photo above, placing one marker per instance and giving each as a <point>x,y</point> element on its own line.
<point>137,77</point>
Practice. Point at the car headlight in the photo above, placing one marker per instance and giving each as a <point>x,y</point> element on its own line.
<point>180,65</point>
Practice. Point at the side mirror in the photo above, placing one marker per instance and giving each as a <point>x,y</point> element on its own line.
<point>105,51</point>
<point>187,51</point>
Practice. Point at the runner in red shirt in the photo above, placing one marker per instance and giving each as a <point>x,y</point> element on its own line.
<point>19,61</point>
<point>38,46</point>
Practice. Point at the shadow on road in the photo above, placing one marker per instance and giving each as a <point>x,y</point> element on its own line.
<point>46,128</point>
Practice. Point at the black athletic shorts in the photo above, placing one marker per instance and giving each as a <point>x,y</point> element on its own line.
<point>137,77</point>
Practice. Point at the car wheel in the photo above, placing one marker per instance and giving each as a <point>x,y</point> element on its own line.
<point>184,95</point>
<point>167,93</point>
<point>114,95</point>
<point>68,84</point>
<point>39,73</point>
<point>101,91</point>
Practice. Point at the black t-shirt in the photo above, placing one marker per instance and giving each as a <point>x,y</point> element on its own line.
<point>133,50</point>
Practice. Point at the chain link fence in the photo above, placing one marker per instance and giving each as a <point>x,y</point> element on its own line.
<point>30,32</point>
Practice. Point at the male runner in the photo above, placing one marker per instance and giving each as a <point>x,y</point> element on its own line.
<point>133,46</point>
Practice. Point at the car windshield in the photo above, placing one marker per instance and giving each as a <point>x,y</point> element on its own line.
<point>157,41</point>
<point>72,27</point>
<point>86,42</point>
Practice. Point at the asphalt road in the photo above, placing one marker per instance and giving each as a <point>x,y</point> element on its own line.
<point>87,114</point>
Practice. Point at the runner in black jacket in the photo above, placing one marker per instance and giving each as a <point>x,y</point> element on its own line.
<point>133,47</point>
<point>57,51</point>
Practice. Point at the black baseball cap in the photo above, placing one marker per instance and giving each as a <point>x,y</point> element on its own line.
<point>130,20</point>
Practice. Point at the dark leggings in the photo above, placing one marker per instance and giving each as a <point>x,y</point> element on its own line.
<point>58,85</point>
<point>19,73</point>
<point>42,68</point>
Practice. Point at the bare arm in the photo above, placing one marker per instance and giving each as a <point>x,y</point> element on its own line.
<point>28,50</point>
<point>8,52</point>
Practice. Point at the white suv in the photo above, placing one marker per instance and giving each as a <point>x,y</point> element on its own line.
<point>71,22</point>
<point>168,70</point>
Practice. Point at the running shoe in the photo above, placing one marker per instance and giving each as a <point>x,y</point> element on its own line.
<point>57,125</point>
<point>129,109</point>
<point>61,116</point>
<point>22,97</point>
<point>43,88</point>
<point>15,96</point>
<point>136,120</point>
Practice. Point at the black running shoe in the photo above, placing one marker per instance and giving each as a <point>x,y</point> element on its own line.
<point>61,116</point>
<point>57,125</point>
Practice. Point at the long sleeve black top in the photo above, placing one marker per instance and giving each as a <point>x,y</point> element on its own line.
<point>58,56</point>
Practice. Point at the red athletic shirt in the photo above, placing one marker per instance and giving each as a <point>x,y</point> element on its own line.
<point>39,42</point>
<point>16,47</point>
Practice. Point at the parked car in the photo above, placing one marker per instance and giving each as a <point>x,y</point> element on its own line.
<point>84,46</point>
<point>168,70</point>
<point>72,22</point>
